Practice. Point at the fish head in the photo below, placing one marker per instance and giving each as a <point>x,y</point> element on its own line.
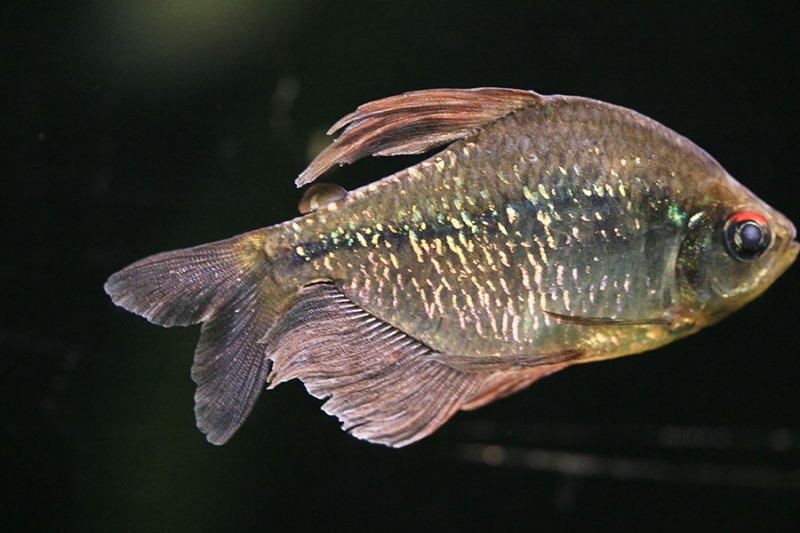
<point>735,246</point>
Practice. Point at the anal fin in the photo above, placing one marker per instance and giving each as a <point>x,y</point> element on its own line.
<point>502,384</point>
<point>510,363</point>
<point>382,384</point>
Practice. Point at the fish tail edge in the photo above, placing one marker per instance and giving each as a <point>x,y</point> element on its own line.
<point>227,286</point>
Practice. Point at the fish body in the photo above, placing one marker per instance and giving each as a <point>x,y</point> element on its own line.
<point>552,230</point>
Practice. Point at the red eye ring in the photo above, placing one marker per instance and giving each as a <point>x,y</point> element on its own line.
<point>747,235</point>
<point>753,216</point>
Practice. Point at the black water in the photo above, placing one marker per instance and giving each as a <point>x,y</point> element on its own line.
<point>132,129</point>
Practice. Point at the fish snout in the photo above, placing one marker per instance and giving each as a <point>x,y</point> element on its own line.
<point>786,245</point>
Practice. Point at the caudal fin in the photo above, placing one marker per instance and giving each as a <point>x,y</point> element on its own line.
<point>225,286</point>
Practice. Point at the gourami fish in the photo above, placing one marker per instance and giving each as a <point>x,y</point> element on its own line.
<point>552,230</point>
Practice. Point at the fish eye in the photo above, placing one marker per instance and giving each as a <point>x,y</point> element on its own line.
<point>747,235</point>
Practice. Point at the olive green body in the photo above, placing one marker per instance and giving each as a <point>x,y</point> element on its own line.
<point>576,208</point>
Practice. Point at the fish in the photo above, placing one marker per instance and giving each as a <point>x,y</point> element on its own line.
<point>547,231</point>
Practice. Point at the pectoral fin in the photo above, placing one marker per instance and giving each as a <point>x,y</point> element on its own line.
<point>415,122</point>
<point>605,321</point>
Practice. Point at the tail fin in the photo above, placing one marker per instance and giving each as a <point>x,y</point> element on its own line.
<point>227,286</point>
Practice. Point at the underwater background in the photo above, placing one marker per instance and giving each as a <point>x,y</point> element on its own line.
<point>133,128</point>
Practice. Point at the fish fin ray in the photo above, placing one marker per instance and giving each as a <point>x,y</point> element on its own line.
<point>187,286</point>
<point>377,380</point>
<point>225,285</point>
<point>230,368</point>
<point>502,384</point>
<point>414,122</point>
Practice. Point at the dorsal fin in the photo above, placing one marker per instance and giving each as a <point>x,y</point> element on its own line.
<point>414,122</point>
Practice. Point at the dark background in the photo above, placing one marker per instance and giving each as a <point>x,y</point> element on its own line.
<point>130,128</point>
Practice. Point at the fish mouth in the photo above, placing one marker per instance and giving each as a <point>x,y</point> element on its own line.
<point>790,247</point>
<point>792,234</point>
<point>794,248</point>
<point>794,245</point>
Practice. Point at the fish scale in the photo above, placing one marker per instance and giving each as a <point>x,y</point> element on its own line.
<point>551,230</point>
<point>453,245</point>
